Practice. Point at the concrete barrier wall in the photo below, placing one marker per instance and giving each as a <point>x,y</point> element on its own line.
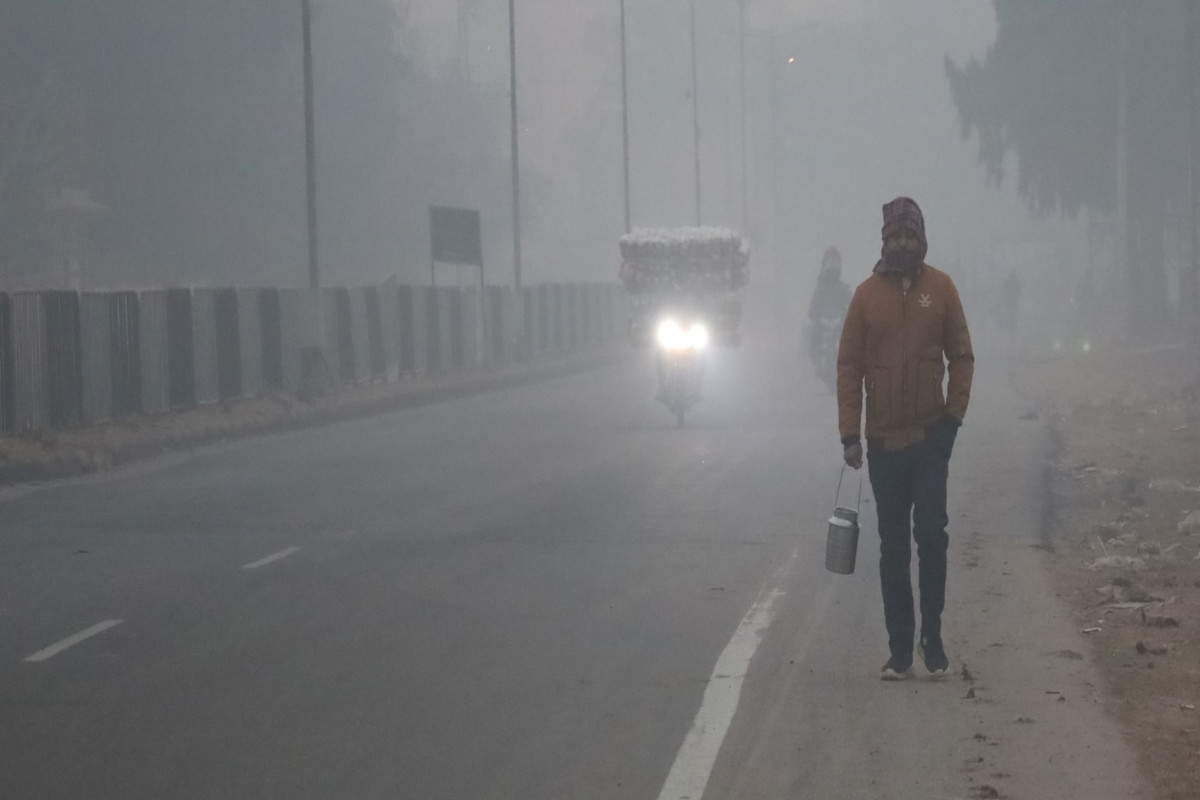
<point>583,311</point>
<point>204,342</point>
<point>7,382</point>
<point>475,344</point>
<point>558,311</point>
<point>445,329</point>
<point>152,344</point>
<point>124,326</point>
<point>250,341</point>
<point>495,324</point>
<point>543,320</point>
<point>67,357</point>
<point>359,334</point>
<point>514,317</point>
<point>30,401</point>
<point>228,344</point>
<point>598,313</point>
<point>505,324</point>
<point>270,321</point>
<point>96,340</point>
<point>598,333</point>
<point>575,315</point>
<point>299,329</point>
<point>383,327</point>
<point>425,329</point>
<point>64,359</point>
<point>335,344</point>
<point>406,329</point>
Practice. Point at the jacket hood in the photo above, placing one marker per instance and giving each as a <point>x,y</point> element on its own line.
<point>903,214</point>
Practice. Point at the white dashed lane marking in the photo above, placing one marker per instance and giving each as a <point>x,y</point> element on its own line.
<point>271,559</point>
<point>71,641</point>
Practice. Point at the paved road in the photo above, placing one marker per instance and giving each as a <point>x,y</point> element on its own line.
<point>547,592</point>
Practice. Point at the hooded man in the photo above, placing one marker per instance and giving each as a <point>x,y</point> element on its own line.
<point>904,331</point>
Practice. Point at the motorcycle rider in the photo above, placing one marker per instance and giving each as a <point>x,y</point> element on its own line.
<point>831,298</point>
<point>826,312</point>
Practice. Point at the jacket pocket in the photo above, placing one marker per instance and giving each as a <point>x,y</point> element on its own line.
<point>929,400</point>
<point>879,399</point>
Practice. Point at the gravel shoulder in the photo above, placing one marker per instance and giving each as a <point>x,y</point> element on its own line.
<point>1024,712</point>
<point>1123,536</point>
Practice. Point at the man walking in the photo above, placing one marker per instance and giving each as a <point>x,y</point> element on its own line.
<point>905,329</point>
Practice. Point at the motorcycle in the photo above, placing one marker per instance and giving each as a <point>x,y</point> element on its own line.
<point>824,338</point>
<point>680,357</point>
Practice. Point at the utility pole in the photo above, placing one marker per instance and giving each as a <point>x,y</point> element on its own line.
<point>696,117</point>
<point>516,149</point>
<point>625,119</point>
<point>742,79</point>
<point>777,165</point>
<point>1194,131</point>
<point>314,272</point>
<point>1124,228</point>
<point>464,40</point>
<point>1191,285</point>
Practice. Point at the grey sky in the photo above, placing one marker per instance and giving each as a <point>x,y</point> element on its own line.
<point>865,114</point>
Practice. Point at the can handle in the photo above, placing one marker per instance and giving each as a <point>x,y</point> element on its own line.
<point>838,495</point>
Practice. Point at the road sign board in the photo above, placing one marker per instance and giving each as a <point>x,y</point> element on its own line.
<point>456,236</point>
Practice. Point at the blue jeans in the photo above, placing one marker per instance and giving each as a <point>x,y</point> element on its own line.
<point>910,498</point>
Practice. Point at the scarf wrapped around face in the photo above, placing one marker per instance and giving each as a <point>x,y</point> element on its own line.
<point>903,214</point>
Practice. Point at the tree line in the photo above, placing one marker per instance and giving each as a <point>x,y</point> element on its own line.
<point>1094,101</point>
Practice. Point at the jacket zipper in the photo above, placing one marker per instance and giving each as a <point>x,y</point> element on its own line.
<point>903,346</point>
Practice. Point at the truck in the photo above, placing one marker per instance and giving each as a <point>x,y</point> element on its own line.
<point>697,271</point>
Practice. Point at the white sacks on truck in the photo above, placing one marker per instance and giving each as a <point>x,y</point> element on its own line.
<point>702,269</point>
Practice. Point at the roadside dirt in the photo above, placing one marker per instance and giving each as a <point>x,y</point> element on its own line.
<point>1124,538</point>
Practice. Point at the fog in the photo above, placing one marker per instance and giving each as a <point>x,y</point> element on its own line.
<point>183,127</point>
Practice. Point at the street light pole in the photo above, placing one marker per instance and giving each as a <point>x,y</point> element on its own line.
<point>777,161</point>
<point>516,150</point>
<point>696,117</point>
<point>742,74</point>
<point>1191,286</point>
<point>314,271</point>
<point>625,119</point>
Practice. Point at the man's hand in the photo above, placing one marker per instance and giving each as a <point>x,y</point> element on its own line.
<point>854,455</point>
<point>941,435</point>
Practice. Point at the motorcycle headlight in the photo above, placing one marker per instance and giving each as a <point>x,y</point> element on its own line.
<point>670,335</point>
<point>673,336</point>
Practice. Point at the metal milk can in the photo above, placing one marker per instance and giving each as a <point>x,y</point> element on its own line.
<point>841,542</point>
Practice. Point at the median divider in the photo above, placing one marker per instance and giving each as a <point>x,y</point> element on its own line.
<point>89,381</point>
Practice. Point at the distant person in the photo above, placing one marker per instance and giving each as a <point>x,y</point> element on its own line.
<point>832,295</point>
<point>1010,304</point>
<point>905,322</point>
<point>826,312</point>
<point>1085,302</point>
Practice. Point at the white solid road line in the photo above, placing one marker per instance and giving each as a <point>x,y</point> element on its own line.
<point>71,641</point>
<point>262,562</point>
<point>694,763</point>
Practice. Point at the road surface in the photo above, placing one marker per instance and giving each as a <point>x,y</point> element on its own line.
<point>547,592</point>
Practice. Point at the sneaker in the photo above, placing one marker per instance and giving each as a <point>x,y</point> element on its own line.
<point>897,669</point>
<point>934,655</point>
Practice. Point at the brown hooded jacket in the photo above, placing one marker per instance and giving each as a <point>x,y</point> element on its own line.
<point>903,332</point>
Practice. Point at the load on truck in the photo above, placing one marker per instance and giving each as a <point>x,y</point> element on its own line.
<point>700,271</point>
